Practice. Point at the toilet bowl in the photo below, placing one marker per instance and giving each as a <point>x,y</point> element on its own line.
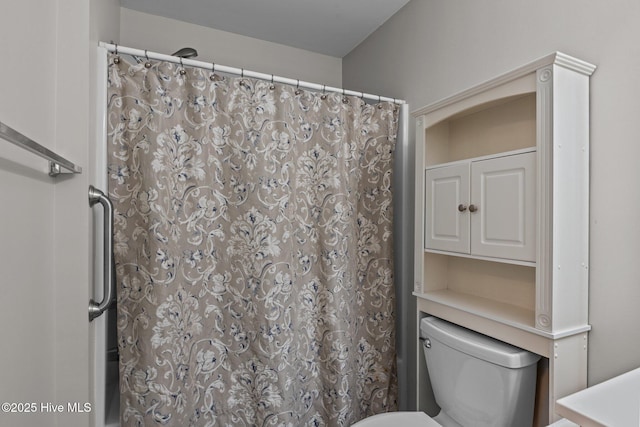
<point>420,419</point>
<point>398,419</point>
<point>476,380</point>
<point>407,419</point>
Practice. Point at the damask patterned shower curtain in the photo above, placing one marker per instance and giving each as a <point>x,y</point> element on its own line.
<point>253,246</point>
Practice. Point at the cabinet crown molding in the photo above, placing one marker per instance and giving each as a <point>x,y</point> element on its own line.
<point>556,58</point>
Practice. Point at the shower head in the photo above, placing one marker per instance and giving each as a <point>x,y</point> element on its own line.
<point>186,52</point>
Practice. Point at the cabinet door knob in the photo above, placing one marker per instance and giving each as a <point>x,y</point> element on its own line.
<point>473,208</point>
<point>462,207</point>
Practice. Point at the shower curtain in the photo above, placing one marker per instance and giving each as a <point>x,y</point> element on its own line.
<point>253,248</point>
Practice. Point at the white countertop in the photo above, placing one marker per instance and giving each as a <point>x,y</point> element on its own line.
<point>613,403</point>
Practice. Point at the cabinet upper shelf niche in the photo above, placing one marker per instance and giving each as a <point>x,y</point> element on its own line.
<point>487,129</point>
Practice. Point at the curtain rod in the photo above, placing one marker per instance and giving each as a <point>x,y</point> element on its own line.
<point>241,72</point>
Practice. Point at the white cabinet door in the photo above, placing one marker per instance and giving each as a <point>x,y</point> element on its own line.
<point>484,208</point>
<point>503,192</point>
<point>446,223</point>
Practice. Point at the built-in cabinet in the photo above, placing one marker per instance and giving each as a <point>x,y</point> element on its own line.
<point>502,211</point>
<point>483,207</point>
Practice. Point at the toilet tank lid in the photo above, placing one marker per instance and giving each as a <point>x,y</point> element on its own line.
<point>475,344</point>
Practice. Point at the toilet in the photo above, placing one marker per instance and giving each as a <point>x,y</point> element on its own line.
<point>477,381</point>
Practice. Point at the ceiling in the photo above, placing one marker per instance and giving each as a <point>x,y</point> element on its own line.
<point>331,27</point>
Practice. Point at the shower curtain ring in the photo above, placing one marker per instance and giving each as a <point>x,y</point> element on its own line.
<point>272,86</point>
<point>212,77</point>
<point>298,91</point>
<point>324,92</point>
<point>148,63</point>
<point>116,59</point>
<point>344,98</point>
<point>182,70</point>
<point>242,73</point>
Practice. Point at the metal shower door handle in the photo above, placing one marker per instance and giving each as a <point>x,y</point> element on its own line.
<point>97,308</point>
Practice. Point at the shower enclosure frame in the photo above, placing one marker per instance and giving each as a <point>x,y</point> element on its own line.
<point>102,397</point>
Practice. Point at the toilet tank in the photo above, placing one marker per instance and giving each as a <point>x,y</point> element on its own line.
<point>477,380</point>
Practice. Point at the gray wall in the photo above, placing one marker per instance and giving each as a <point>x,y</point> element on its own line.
<point>145,31</point>
<point>433,48</point>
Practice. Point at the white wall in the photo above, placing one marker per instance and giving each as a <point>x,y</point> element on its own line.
<point>47,49</point>
<point>434,48</point>
<point>27,100</point>
<point>164,35</point>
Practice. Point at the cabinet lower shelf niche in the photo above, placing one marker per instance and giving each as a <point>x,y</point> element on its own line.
<point>502,321</point>
<point>508,314</point>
